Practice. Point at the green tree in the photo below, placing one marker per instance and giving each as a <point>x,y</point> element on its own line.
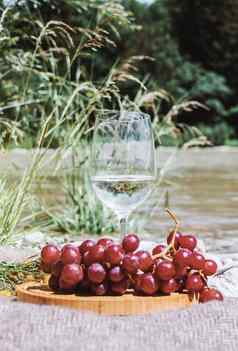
<point>208,30</point>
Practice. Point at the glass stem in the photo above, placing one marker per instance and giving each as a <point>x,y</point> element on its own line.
<point>123,226</point>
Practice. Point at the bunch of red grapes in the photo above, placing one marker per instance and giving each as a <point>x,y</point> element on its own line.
<point>105,267</point>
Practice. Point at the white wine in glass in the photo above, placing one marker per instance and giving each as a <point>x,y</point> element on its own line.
<point>123,167</point>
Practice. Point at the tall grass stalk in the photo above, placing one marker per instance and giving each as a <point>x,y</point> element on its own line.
<point>15,199</point>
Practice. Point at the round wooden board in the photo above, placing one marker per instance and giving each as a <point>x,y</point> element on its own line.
<point>127,304</point>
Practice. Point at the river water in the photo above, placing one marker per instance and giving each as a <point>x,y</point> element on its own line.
<point>203,193</point>
<point>201,187</point>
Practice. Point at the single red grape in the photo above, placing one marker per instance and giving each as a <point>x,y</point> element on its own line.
<point>72,274</point>
<point>116,274</point>
<point>148,284</point>
<point>145,261</point>
<point>53,283</point>
<point>96,273</point>
<point>114,254</point>
<point>194,283</point>
<point>176,241</point>
<point>183,257</point>
<point>70,246</point>
<point>169,286</point>
<point>165,270</point>
<point>105,242</point>
<point>210,294</point>
<point>121,287</point>
<point>181,272</point>
<point>197,261</point>
<point>158,249</point>
<point>50,254</point>
<point>65,285</point>
<point>86,245</point>
<point>100,289</point>
<point>87,258</point>
<point>210,267</point>
<point>94,254</point>
<point>130,243</point>
<point>130,263</point>
<point>157,261</point>
<point>70,255</point>
<point>57,268</point>
<point>137,281</point>
<point>187,242</point>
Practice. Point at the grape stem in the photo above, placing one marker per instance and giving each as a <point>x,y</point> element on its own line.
<point>195,298</point>
<point>174,218</point>
<point>163,254</point>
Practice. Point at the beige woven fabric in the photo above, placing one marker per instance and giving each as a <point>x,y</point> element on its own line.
<point>207,327</point>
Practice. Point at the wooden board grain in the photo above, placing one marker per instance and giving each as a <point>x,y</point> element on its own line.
<point>127,304</point>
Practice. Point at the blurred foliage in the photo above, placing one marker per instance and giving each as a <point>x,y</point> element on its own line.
<point>183,73</point>
<point>42,64</point>
<point>87,54</point>
<point>214,26</point>
<point>207,32</point>
<point>69,69</point>
<point>220,133</point>
<point>180,69</point>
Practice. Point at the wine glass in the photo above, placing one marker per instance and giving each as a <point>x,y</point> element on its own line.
<point>123,163</point>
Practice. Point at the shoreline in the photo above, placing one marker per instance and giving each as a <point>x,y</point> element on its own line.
<point>17,160</point>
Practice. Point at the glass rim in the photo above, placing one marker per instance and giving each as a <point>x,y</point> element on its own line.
<point>115,113</point>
